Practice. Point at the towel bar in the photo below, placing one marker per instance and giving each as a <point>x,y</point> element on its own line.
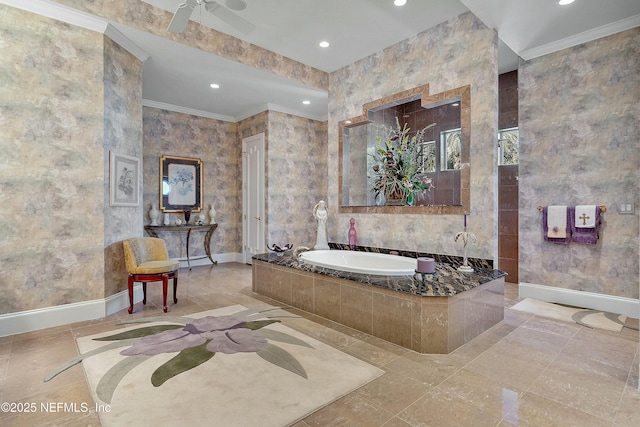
<point>603,208</point>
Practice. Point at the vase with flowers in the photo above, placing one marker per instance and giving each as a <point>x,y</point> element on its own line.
<point>397,165</point>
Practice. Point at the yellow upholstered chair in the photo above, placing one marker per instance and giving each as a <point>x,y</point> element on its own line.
<point>147,260</point>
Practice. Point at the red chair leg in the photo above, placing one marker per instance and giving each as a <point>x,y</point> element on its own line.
<point>144,293</point>
<point>165,282</point>
<point>130,294</point>
<point>175,287</point>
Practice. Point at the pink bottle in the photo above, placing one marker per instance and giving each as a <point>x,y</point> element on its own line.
<point>353,237</point>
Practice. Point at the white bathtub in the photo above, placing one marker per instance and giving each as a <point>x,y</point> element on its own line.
<point>361,262</point>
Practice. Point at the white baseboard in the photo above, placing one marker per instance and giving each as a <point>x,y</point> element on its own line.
<point>120,301</point>
<point>33,320</point>
<point>221,258</point>
<point>613,304</point>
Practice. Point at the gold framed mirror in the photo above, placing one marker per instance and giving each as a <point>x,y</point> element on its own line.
<point>414,142</point>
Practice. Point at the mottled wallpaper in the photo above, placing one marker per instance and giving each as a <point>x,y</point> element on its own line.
<point>295,169</point>
<point>51,175</point>
<point>122,135</point>
<point>296,178</point>
<point>579,145</point>
<point>459,52</point>
<point>216,143</point>
<point>143,16</point>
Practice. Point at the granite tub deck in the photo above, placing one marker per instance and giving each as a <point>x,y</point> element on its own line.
<point>436,317</point>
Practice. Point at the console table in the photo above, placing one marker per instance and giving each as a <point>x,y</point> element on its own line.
<point>209,228</point>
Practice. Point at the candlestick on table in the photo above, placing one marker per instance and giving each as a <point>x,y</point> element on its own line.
<point>466,238</point>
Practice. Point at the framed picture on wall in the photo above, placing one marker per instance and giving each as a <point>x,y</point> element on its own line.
<point>124,180</point>
<point>180,184</point>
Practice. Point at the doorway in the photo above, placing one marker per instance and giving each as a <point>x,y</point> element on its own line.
<point>253,188</point>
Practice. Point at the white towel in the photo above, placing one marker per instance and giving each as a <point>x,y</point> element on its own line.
<point>557,222</point>
<point>586,216</point>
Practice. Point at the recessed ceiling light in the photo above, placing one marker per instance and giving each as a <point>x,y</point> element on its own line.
<point>565,2</point>
<point>214,86</point>
<point>399,2</point>
<point>324,43</point>
<point>306,102</point>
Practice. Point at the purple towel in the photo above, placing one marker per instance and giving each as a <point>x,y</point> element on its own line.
<point>563,241</point>
<point>585,236</point>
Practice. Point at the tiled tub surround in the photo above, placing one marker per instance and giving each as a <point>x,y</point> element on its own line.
<point>436,316</point>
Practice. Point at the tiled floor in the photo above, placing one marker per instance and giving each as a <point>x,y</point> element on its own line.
<point>525,371</point>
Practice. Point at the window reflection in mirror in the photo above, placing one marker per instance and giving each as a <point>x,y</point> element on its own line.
<point>443,158</point>
<point>450,149</point>
<point>508,146</point>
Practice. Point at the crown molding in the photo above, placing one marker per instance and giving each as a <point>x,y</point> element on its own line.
<point>114,34</point>
<point>185,110</point>
<point>75,17</point>
<point>279,108</point>
<point>583,37</point>
<point>244,115</point>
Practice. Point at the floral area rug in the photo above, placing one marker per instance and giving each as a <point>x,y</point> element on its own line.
<point>582,316</point>
<point>225,367</point>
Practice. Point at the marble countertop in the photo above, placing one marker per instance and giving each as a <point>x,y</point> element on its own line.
<point>447,281</point>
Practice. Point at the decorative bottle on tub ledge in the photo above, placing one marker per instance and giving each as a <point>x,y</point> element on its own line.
<point>353,236</point>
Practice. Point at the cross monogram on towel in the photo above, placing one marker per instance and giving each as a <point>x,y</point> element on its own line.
<point>584,218</point>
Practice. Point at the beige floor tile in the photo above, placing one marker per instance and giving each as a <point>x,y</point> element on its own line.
<point>41,333</point>
<point>69,405</point>
<point>524,371</point>
<point>439,408</point>
<point>396,422</point>
<point>537,411</point>
<point>628,414</point>
<point>392,392</point>
<point>427,369</point>
<point>580,386</point>
<point>481,393</point>
<point>531,344</point>
<point>375,351</point>
<point>352,410</point>
<point>5,350</point>
<point>512,371</point>
<point>515,318</point>
<point>21,385</point>
<point>602,346</point>
<point>552,326</point>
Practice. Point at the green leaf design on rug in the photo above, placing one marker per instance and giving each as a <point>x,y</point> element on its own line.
<point>282,358</point>
<point>228,334</point>
<point>76,360</point>
<point>258,324</point>
<point>187,359</point>
<point>138,333</point>
<point>274,335</point>
<point>108,383</point>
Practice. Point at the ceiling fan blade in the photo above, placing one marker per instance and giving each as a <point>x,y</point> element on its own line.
<point>236,21</point>
<point>181,17</point>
